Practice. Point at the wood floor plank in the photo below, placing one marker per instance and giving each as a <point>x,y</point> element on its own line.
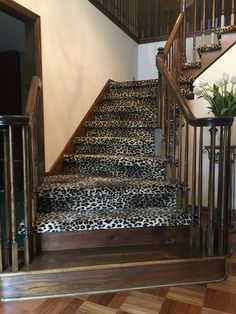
<point>102,299</point>
<point>229,285</point>
<point>220,300</point>
<point>118,300</point>
<point>53,306</point>
<point>210,311</point>
<point>189,294</point>
<point>142,304</point>
<point>159,292</point>
<point>177,307</point>
<point>93,308</point>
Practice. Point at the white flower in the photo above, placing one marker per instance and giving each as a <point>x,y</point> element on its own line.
<point>233,80</point>
<point>225,77</point>
<point>202,83</point>
<point>221,82</point>
<point>198,91</point>
<point>217,83</point>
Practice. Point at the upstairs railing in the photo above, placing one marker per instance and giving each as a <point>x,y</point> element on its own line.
<point>13,253</point>
<point>202,185</point>
<point>153,20</point>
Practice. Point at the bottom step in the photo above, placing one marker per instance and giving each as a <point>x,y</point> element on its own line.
<point>110,269</point>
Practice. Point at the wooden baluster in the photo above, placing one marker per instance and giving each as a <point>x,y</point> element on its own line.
<point>232,17</point>
<point>213,22</point>
<point>7,187</point>
<point>193,200</point>
<point>1,230</point>
<point>182,45</point>
<point>14,244</point>
<point>195,32</point>
<point>173,142</point>
<point>222,13</point>
<point>179,195</point>
<point>203,21</point>
<point>223,225</point>
<point>199,196</point>
<point>186,168</point>
<point>27,196</point>
<point>168,130</point>
<point>210,233</point>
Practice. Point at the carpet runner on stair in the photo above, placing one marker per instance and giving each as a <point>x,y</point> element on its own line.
<point>115,178</point>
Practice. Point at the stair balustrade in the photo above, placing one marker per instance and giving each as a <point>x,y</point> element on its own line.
<point>201,185</point>
<point>32,172</point>
<point>152,20</point>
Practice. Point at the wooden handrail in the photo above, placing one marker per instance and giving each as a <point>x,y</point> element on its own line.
<point>13,120</point>
<point>173,33</point>
<point>188,115</point>
<point>33,90</point>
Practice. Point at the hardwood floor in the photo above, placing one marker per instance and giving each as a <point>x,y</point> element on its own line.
<point>217,298</point>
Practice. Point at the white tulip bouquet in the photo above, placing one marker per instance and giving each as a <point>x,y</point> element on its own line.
<point>221,96</point>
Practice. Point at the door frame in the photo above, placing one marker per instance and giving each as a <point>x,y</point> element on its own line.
<point>32,35</point>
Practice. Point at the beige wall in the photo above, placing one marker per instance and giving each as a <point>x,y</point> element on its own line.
<point>81,50</point>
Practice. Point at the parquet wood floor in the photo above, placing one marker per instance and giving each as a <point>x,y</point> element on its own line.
<point>218,298</point>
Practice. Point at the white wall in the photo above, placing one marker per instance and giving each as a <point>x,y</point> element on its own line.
<point>227,63</point>
<point>81,50</point>
<point>147,57</point>
<point>147,60</point>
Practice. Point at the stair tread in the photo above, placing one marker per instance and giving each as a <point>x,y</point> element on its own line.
<point>128,107</point>
<point>123,124</point>
<point>137,83</point>
<point>75,157</point>
<point>105,139</point>
<point>107,219</point>
<point>78,180</point>
<point>130,95</point>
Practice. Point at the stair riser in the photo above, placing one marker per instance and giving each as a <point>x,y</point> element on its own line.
<point>138,90</point>
<point>150,170</point>
<point>141,150</point>
<point>141,116</point>
<point>128,97</point>
<point>123,198</point>
<point>120,132</point>
<point>123,102</point>
<point>110,238</point>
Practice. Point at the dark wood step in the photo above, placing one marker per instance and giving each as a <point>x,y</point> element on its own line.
<point>112,238</point>
<point>74,272</point>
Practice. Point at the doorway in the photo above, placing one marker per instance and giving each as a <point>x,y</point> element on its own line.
<point>15,81</point>
<point>20,67</point>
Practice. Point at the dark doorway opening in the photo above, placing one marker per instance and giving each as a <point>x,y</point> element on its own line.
<point>18,63</point>
<point>21,57</point>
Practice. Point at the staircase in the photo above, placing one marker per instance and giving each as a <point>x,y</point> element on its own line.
<point>109,221</point>
<point>126,210</point>
<point>113,180</point>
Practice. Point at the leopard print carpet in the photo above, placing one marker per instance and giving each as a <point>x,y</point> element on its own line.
<point>115,178</point>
